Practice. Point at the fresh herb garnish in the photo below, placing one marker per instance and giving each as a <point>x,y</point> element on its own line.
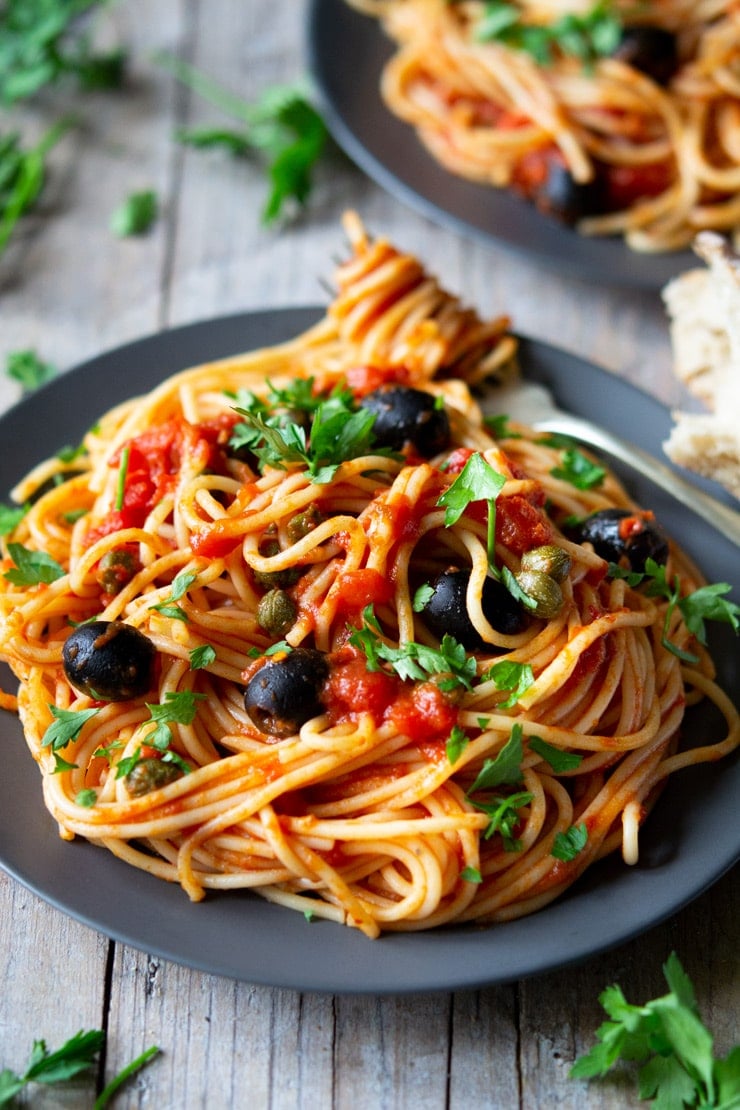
<point>587,37</point>
<point>181,583</point>
<point>668,1038</point>
<point>498,425</point>
<point>28,369</point>
<point>178,708</point>
<point>457,742</point>
<point>61,764</point>
<point>558,759</point>
<point>421,596</point>
<point>66,726</point>
<point>75,1056</point>
<point>578,470</point>
<point>477,481</point>
<point>22,175</point>
<point>705,604</point>
<point>503,817</point>
<point>339,432</point>
<point>122,474</point>
<point>281,128</point>
<point>10,517</point>
<point>507,675</point>
<point>506,767</point>
<point>135,215</point>
<point>567,845</point>
<point>31,567</point>
<point>413,661</point>
<point>471,875</point>
<point>202,656</point>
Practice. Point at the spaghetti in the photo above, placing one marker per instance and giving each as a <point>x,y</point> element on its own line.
<point>621,118</point>
<point>295,621</point>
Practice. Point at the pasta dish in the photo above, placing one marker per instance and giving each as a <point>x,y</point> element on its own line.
<point>616,117</point>
<point>307,621</point>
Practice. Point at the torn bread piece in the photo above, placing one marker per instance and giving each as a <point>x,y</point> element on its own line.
<point>704,311</point>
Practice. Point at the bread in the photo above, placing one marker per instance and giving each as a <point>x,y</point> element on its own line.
<point>704,311</point>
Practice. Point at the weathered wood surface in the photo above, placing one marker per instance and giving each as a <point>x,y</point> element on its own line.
<point>68,288</point>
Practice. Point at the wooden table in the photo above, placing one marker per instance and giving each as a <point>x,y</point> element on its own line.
<point>70,289</point>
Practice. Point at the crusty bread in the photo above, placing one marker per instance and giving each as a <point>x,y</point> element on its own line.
<point>704,310</point>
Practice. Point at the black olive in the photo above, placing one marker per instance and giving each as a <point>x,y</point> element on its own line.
<point>109,660</point>
<point>285,693</point>
<point>446,610</point>
<point>404,415</point>
<point>652,50</point>
<point>611,539</point>
<point>564,198</point>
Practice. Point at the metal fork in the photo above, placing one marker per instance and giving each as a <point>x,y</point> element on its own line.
<point>533,404</point>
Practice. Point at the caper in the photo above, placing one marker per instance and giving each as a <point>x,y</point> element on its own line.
<point>116,569</point>
<point>303,523</point>
<point>269,579</point>
<point>150,774</point>
<point>548,559</point>
<point>543,590</point>
<point>276,612</point>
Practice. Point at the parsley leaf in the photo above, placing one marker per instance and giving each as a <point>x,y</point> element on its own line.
<point>503,817</point>
<point>202,656</point>
<point>477,481</point>
<point>498,426</point>
<point>457,742</point>
<point>42,41</point>
<point>706,603</point>
<point>587,37</point>
<point>506,767</point>
<point>507,675</point>
<point>66,726</point>
<point>181,583</point>
<point>578,470</point>
<point>667,1036</point>
<point>28,369</point>
<point>22,175</point>
<point>413,661</point>
<point>568,844</point>
<point>31,567</point>
<point>135,215</point>
<point>421,597</point>
<point>471,875</point>
<point>281,128</point>
<point>10,517</point>
<point>558,759</point>
<point>179,708</point>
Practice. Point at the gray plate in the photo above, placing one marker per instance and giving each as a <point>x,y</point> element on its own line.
<point>692,837</point>
<point>347,51</point>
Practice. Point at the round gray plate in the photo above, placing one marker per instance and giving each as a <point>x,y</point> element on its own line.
<point>347,51</point>
<point>692,837</point>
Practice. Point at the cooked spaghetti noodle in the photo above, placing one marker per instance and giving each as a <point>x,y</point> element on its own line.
<point>406,781</point>
<point>643,142</point>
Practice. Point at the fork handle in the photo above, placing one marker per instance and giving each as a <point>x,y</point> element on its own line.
<point>720,516</point>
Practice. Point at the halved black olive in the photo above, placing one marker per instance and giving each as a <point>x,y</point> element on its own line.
<point>564,198</point>
<point>651,50</point>
<point>446,610</point>
<point>404,415</point>
<point>614,533</point>
<point>286,692</point>
<point>109,660</point>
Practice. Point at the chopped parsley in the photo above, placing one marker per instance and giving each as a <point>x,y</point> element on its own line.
<point>66,726</point>
<point>26,368</point>
<point>502,810</point>
<point>413,661</point>
<point>23,173</point>
<point>506,767</point>
<point>477,481</point>
<point>511,676</point>
<point>471,875</point>
<point>181,583</point>
<point>705,604</point>
<point>281,128</point>
<point>579,470</point>
<point>202,656</point>
<point>587,37</point>
<point>457,742</point>
<point>567,845</point>
<point>31,567</point>
<point>558,759</point>
<point>10,517</point>
<point>667,1038</point>
<point>135,215</point>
